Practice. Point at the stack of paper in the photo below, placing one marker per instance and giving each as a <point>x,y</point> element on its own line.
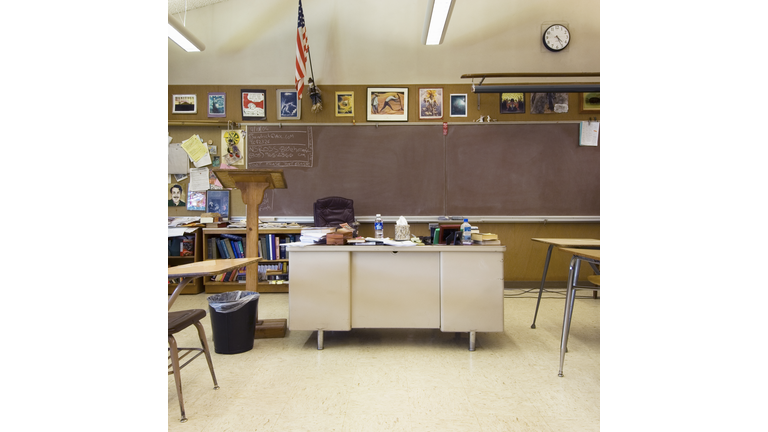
<point>314,234</point>
<point>485,239</point>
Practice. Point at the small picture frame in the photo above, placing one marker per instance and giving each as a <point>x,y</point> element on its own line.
<point>345,104</point>
<point>184,104</point>
<point>196,200</point>
<point>512,103</point>
<point>459,105</point>
<point>218,202</point>
<point>288,105</point>
<point>430,103</point>
<point>217,104</point>
<point>176,196</point>
<point>253,104</point>
<point>589,103</point>
<point>387,104</point>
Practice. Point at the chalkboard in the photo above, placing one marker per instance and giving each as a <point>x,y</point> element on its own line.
<point>484,169</point>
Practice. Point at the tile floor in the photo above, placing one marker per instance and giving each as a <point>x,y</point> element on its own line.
<point>402,379</point>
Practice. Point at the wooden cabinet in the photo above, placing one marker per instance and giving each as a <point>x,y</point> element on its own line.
<point>196,242</point>
<point>274,267</point>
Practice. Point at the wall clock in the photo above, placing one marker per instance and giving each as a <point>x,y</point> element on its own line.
<point>556,37</point>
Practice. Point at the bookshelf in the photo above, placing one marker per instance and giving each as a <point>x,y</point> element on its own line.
<point>196,286</point>
<point>280,264</point>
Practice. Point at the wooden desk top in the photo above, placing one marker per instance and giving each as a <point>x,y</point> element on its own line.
<point>209,267</point>
<point>586,253</point>
<point>569,242</point>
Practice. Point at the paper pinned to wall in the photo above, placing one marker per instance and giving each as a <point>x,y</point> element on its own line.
<point>588,133</point>
<point>177,159</point>
<point>198,179</point>
<point>197,151</point>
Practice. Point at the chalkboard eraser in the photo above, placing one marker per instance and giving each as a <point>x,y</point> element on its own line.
<point>443,218</point>
<point>457,218</point>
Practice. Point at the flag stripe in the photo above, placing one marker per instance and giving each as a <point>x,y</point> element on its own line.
<point>302,49</point>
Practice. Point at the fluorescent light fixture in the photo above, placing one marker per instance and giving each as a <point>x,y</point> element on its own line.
<point>183,37</point>
<point>438,15</point>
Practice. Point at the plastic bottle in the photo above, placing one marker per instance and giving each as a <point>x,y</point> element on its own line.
<point>466,233</point>
<point>378,226</point>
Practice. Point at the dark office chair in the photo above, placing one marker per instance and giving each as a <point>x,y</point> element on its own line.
<point>334,211</point>
<point>178,321</point>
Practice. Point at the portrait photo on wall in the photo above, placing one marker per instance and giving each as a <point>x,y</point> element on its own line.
<point>549,103</point>
<point>430,103</point>
<point>512,103</point>
<point>218,202</point>
<point>458,105</point>
<point>217,104</point>
<point>345,104</point>
<point>176,196</point>
<point>387,104</point>
<point>289,105</point>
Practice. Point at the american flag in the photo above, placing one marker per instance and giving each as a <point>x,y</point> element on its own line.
<point>302,49</point>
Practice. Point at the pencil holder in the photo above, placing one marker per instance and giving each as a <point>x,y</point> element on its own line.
<point>402,232</point>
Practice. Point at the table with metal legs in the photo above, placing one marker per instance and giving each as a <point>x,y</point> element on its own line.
<point>562,243</point>
<point>591,256</point>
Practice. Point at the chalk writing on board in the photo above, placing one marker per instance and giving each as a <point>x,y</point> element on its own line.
<point>270,146</point>
<point>266,202</point>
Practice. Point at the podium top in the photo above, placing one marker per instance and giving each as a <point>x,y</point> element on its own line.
<point>229,178</point>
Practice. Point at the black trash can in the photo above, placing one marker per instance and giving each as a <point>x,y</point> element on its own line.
<point>233,320</point>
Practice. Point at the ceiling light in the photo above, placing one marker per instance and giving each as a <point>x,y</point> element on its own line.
<point>438,15</point>
<point>183,37</point>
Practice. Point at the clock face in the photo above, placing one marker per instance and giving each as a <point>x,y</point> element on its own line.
<point>556,37</point>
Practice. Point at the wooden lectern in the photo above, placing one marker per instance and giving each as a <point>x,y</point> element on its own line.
<point>252,184</point>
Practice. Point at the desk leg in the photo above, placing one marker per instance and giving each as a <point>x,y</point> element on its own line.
<point>541,288</point>
<point>319,339</point>
<point>472,339</point>
<point>177,291</point>
<point>570,297</point>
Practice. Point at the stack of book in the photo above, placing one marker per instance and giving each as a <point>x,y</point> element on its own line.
<point>227,246</point>
<point>485,239</point>
<point>269,246</point>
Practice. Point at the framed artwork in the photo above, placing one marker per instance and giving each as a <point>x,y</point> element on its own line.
<point>548,103</point>
<point>387,104</point>
<point>459,105</point>
<point>217,104</point>
<point>176,196</point>
<point>184,104</point>
<point>345,104</point>
<point>589,102</point>
<point>218,202</point>
<point>233,147</point>
<point>253,104</point>
<point>430,103</point>
<point>196,200</point>
<point>289,106</point>
<point>512,103</point>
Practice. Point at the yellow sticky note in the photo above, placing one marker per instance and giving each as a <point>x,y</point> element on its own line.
<point>194,148</point>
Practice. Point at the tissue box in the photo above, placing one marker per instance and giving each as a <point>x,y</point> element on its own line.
<point>402,232</point>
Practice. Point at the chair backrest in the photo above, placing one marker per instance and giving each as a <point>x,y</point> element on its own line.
<point>333,211</point>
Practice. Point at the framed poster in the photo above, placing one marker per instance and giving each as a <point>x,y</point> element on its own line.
<point>217,104</point>
<point>176,196</point>
<point>254,104</point>
<point>195,200</point>
<point>430,103</point>
<point>387,104</point>
<point>345,104</point>
<point>512,103</point>
<point>184,104</point>
<point>458,105</point>
<point>549,103</point>
<point>589,103</point>
<point>218,202</point>
<point>289,106</point>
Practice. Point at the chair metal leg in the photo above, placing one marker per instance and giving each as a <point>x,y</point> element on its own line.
<point>541,288</point>
<point>201,333</point>
<point>570,298</point>
<point>319,339</point>
<point>174,354</point>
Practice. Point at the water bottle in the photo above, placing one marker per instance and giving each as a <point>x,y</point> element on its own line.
<point>466,233</point>
<point>378,226</point>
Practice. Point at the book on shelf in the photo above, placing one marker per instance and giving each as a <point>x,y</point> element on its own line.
<point>484,236</point>
<point>187,246</point>
<point>486,242</point>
